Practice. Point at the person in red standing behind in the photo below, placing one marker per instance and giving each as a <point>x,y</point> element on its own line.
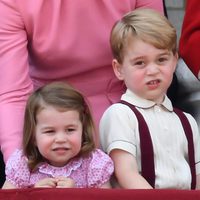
<point>188,70</point>
<point>189,44</point>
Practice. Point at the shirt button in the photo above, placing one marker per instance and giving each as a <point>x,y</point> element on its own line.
<point>166,129</point>
<point>157,109</point>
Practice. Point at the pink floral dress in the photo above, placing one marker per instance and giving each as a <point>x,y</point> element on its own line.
<point>91,171</point>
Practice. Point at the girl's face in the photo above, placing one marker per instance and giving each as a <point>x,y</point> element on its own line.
<point>58,135</point>
<point>146,70</point>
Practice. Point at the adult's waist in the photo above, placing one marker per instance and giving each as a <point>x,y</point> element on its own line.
<point>90,83</point>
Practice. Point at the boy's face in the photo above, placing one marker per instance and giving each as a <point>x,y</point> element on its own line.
<point>146,70</point>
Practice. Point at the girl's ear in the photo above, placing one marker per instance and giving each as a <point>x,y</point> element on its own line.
<point>117,68</point>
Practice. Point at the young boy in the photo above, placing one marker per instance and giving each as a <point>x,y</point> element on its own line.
<point>144,136</point>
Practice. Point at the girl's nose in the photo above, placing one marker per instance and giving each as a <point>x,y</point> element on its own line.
<point>61,137</point>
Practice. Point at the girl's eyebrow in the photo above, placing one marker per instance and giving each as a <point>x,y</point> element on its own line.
<point>46,128</point>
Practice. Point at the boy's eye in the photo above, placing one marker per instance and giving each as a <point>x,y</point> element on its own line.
<point>139,63</point>
<point>162,59</point>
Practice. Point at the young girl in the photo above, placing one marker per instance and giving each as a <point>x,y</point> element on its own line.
<point>58,146</point>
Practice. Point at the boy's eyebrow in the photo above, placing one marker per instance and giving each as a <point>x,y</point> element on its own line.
<point>137,57</point>
<point>165,53</point>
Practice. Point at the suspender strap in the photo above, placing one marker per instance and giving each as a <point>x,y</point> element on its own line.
<point>147,153</point>
<point>189,136</point>
<point>146,147</point>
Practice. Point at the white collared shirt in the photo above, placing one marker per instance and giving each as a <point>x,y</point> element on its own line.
<point>119,130</point>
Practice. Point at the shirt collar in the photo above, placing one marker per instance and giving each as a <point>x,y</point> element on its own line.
<point>137,101</point>
<point>66,170</point>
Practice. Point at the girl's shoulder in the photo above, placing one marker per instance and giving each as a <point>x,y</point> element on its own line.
<point>99,168</point>
<point>16,158</point>
<point>17,171</point>
<point>100,156</point>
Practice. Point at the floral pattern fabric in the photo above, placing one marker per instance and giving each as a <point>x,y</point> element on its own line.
<point>91,171</point>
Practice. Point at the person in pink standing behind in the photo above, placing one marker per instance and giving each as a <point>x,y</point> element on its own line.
<point>66,40</point>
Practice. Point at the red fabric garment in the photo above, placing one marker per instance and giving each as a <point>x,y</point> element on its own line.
<point>189,45</point>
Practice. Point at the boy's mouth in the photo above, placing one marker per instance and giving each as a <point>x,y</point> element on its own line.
<point>153,84</point>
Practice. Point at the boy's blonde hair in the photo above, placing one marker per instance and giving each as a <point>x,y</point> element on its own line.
<point>148,25</point>
<point>63,97</point>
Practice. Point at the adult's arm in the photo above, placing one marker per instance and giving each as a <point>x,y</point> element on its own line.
<point>189,45</point>
<point>15,84</point>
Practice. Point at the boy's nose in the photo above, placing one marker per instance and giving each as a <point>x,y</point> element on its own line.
<point>152,68</point>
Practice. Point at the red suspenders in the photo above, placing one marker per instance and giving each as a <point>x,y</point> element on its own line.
<point>146,146</point>
<point>188,132</point>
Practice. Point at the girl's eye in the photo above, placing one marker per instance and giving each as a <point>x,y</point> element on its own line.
<point>49,132</point>
<point>70,130</point>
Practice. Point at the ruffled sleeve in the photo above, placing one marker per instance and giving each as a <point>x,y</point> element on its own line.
<point>100,169</point>
<point>17,172</point>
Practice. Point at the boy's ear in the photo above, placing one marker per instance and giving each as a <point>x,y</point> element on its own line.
<point>176,57</point>
<point>117,68</point>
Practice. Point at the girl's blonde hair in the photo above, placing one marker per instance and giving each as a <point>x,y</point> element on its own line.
<point>148,25</point>
<point>63,97</point>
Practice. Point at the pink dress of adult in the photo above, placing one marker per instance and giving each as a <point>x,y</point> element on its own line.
<point>57,40</point>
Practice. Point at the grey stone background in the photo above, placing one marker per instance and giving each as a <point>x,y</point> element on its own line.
<point>175,12</point>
